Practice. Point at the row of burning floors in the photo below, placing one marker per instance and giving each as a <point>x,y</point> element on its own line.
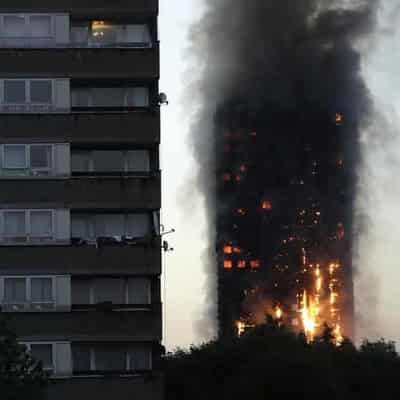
<point>310,300</point>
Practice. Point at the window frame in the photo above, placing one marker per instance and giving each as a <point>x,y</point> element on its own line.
<point>28,231</point>
<point>27,26</point>
<point>127,354</point>
<point>126,303</point>
<point>28,303</point>
<point>125,154</point>
<point>28,169</point>
<point>29,345</point>
<point>123,106</point>
<point>91,224</point>
<point>28,97</point>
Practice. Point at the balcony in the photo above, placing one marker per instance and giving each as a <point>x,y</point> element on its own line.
<point>87,260</point>
<point>93,325</point>
<point>84,7</point>
<point>142,193</point>
<point>80,63</point>
<point>140,127</point>
<point>144,388</point>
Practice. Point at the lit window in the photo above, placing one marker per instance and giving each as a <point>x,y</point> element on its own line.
<point>255,264</point>
<point>241,264</point>
<point>228,250</point>
<point>228,264</point>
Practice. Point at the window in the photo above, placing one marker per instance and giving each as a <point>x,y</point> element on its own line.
<point>26,159</point>
<point>14,291</point>
<point>40,26</point>
<point>36,293</point>
<point>19,26</point>
<point>41,223</point>
<point>41,156</point>
<point>14,223</point>
<point>14,26</point>
<point>42,290</point>
<point>28,91</point>
<point>108,33</point>
<point>81,356</point>
<point>89,227</point>
<point>42,352</point>
<point>15,156</point>
<point>29,225</point>
<point>14,91</point>
<point>109,290</point>
<point>41,91</point>
<point>110,97</point>
<point>110,161</point>
<point>111,358</point>
<point>119,291</point>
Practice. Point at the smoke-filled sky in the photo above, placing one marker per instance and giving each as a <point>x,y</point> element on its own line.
<point>187,299</point>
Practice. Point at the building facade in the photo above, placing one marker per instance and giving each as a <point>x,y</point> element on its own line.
<point>80,192</point>
<point>284,212</point>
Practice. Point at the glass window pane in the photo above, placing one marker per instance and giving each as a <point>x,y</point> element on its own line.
<point>80,33</point>
<point>14,223</point>
<point>40,26</point>
<point>44,353</point>
<point>14,290</point>
<point>138,225</point>
<point>110,225</point>
<point>140,359</point>
<point>80,161</point>
<point>110,359</point>
<point>108,161</point>
<point>138,161</point>
<point>137,34</point>
<point>14,91</point>
<point>14,26</point>
<point>41,290</point>
<point>41,156</point>
<point>41,223</point>
<point>81,358</point>
<point>41,91</point>
<point>109,289</point>
<point>105,32</point>
<point>80,290</point>
<point>15,156</point>
<point>108,97</point>
<point>81,226</point>
<point>138,291</point>
<point>80,97</point>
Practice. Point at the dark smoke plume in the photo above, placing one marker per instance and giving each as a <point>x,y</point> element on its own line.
<point>268,58</point>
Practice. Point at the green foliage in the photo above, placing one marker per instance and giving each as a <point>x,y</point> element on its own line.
<point>21,377</point>
<point>272,361</point>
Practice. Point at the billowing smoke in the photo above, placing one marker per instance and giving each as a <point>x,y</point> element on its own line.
<point>283,71</point>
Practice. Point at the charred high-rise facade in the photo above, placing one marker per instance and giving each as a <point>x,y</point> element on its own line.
<point>283,88</point>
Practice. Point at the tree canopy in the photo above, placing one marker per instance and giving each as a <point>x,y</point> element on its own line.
<point>271,361</point>
<point>21,377</point>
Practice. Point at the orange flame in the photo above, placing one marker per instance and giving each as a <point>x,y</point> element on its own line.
<point>266,205</point>
<point>228,264</point>
<point>228,249</point>
<point>241,264</point>
<point>255,264</point>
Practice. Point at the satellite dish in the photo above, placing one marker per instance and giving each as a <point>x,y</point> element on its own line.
<point>162,99</point>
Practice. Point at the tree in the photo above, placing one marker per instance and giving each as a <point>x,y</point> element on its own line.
<point>270,361</point>
<point>21,377</point>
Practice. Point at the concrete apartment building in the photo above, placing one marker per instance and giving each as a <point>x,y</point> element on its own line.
<point>80,192</point>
